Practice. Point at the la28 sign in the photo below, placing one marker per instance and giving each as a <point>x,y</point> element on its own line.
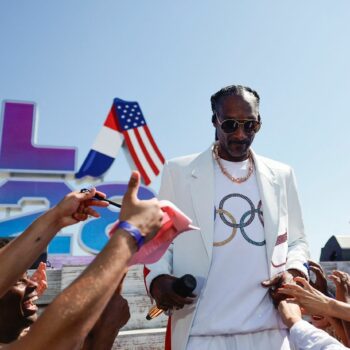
<point>35,178</point>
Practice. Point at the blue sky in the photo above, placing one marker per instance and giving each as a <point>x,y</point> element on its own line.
<point>73,57</point>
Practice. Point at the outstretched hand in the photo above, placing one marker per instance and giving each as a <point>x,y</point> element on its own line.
<point>342,282</point>
<point>146,215</point>
<point>308,298</point>
<point>76,206</point>
<point>276,282</point>
<point>320,282</point>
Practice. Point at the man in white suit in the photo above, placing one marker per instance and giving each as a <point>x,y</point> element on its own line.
<point>251,231</point>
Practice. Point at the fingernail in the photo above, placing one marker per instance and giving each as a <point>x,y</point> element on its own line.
<point>133,176</point>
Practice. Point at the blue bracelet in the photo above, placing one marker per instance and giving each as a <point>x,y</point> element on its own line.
<point>307,266</point>
<point>133,231</point>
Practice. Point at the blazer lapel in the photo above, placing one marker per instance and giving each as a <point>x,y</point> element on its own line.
<point>202,193</point>
<point>270,197</point>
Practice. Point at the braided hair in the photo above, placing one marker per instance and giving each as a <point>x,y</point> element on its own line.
<point>231,90</point>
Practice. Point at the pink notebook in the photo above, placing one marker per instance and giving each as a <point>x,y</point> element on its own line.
<point>174,223</point>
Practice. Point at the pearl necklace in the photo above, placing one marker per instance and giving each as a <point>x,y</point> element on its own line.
<point>237,180</point>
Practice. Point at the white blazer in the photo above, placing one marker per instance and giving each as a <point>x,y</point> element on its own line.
<point>189,183</point>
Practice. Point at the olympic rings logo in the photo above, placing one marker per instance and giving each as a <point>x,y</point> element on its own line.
<point>246,219</point>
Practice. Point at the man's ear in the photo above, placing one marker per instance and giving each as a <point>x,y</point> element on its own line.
<point>213,119</point>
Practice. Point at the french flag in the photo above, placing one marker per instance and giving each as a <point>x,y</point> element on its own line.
<point>125,126</point>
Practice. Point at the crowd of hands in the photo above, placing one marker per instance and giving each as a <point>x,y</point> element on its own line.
<point>89,313</point>
<point>324,308</point>
<point>294,295</point>
<point>91,310</point>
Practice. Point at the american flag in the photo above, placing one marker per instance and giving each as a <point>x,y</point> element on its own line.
<point>139,141</point>
<point>126,124</point>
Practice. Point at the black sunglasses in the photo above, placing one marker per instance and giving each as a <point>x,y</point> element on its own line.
<point>229,126</point>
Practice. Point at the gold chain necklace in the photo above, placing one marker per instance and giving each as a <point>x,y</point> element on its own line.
<point>237,180</point>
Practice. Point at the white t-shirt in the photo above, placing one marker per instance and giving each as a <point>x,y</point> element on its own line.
<point>233,300</point>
